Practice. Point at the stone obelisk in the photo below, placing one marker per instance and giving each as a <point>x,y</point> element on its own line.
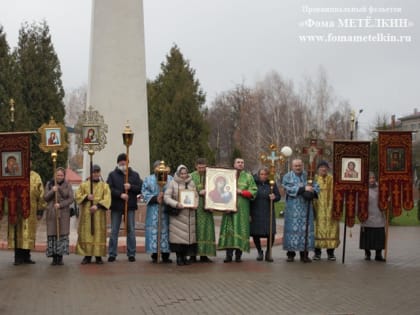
<point>117,80</point>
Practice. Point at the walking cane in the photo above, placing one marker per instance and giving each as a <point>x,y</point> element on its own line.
<point>128,136</point>
<point>161,172</point>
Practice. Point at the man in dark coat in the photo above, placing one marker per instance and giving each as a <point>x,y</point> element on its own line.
<point>122,192</point>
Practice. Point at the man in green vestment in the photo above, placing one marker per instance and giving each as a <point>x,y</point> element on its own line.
<point>326,227</point>
<point>206,241</point>
<point>234,230</point>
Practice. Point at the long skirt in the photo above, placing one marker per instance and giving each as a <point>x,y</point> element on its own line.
<point>57,247</point>
<point>372,238</point>
<point>184,249</point>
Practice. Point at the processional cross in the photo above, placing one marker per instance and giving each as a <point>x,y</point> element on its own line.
<point>313,152</point>
<point>271,160</point>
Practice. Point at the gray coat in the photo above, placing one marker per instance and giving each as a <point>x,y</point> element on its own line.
<point>65,199</point>
<point>182,226</point>
<point>376,216</point>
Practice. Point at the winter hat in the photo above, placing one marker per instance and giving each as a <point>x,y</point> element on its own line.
<point>122,157</point>
<point>323,163</point>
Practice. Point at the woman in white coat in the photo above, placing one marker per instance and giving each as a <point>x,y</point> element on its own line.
<point>182,237</point>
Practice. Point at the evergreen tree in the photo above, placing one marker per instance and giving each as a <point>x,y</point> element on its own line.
<point>177,129</point>
<point>42,93</point>
<point>9,88</point>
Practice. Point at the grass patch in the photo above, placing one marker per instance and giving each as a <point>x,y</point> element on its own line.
<point>407,218</point>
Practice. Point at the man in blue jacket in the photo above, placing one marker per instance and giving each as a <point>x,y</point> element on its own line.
<point>122,192</point>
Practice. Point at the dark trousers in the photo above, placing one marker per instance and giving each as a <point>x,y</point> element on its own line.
<point>229,252</point>
<point>330,251</point>
<point>257,241</point>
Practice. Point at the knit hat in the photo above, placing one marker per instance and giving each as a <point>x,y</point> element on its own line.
<point>122,157</point>
<point>323,163</point>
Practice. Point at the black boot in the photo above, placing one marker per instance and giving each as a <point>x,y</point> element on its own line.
<point>179,260</point>
<point>18,257</point>
<point>166,259</point>
<point>186,260</point>
<point>154,258</point>
<point>229,255</point>
<point>304,257</point>
<point>26,253</point>
<point>260,256</point>
<point>60,260</point>
<point>54,260</point>
<point>238,255</point>
<point>86,260</point>
<point>268,257</point>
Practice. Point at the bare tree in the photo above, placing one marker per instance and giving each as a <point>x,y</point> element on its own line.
<point>75,103</point>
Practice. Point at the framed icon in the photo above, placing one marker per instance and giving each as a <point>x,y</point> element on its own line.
<point>53,136</point>
<point>90,134</point>
<point>188,198</point>
<point>351,169</point>
<point>220,189</point>
<point>11,163</point>
<point>395,159</point>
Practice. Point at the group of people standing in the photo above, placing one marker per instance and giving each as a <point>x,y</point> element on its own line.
<point>309,224</point>
<point>191,232</point>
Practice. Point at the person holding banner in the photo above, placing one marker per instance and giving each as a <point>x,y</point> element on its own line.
<point>59,196</point>
<point>93,243</point>
<point>326,228</point>
<point>118,186</point>
<point>26,228</point>
<point>372,231</point>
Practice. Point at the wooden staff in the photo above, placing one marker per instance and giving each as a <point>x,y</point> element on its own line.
<point>270,237</point>
<point>128,140</point>
<point>92,215</point>
<point>161,172</point>
<point>386,229</point>
<point>344,235</point>
<point>308,209</point>
<point>57,211</point>
<point>126,201</point>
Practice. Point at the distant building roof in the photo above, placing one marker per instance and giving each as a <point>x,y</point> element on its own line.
<point>414,115</point>
<point>72,177</point>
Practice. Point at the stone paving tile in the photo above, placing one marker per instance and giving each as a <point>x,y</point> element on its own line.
<point>250,287</point>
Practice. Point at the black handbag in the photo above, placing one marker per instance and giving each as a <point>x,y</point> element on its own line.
<point>172,211</point>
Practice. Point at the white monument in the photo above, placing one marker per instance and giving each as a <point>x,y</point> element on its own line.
<point>117,81</point>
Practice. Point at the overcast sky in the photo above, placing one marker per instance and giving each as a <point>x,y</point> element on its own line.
<point>229,42</point>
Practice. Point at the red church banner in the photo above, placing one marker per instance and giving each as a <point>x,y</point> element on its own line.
<point>395,171</point>
<point>351,175</point>
<point>15,174</point>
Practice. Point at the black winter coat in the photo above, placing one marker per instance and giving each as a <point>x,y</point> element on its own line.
<point>260,210</point>
<point>116,181</point>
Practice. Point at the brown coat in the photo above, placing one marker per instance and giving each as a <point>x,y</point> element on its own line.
<point>65,199</point>
<point>182,226</point>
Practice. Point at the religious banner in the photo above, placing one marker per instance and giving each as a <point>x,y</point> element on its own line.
<point>395,171</point>
<point>351,176</point>
<point>15,174</point>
